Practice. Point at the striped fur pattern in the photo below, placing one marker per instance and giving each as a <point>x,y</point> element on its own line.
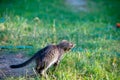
<point>48,56</point>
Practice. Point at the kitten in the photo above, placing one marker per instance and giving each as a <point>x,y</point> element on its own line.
<point>48,56</point>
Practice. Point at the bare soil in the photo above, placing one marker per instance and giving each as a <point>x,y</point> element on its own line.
<point>8,58</point>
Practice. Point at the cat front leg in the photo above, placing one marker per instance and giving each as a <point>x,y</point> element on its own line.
<point>56,64</point>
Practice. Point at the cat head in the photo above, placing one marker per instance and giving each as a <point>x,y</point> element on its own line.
<point>66,45</point>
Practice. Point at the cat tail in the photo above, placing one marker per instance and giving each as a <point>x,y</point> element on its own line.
<point>24,63</point>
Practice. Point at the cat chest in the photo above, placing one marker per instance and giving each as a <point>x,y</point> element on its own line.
<point>52,62</point>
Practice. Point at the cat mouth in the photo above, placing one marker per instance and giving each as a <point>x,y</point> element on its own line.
<point>72,45</point>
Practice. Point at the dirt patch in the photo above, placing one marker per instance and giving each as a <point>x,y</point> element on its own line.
<point>9,58</point>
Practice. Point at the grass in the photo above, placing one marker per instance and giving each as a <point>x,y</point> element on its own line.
<point>39,22</point>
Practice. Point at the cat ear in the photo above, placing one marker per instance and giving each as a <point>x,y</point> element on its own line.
<point>64,40</point>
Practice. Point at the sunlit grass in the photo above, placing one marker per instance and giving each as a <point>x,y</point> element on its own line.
<point>97,51</point>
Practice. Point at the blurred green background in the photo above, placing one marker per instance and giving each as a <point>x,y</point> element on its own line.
<point>90,24</point>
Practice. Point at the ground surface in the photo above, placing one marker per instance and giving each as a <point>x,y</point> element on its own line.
<point>7,60</point>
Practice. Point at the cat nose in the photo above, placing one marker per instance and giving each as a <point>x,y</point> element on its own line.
<point>72,45</point>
